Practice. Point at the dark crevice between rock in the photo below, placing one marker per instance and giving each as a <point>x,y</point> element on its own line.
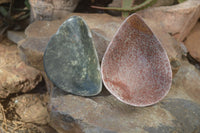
<point>104,91</point>
<point>9,112</point>
<point>84,6</point>
<point>40,88</point>
<point>193,61</point>
<point>59,92</point>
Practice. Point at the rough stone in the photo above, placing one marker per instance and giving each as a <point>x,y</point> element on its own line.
<point>101,22</point>
<point>32,50</point>
<point>71,61</point>
<point>101,42</point>
<point>192,42</point>
<point>135,67</point>
<point>171,45</point>
<point>15,75</point>
<point>54,9</point>
<point>186,117</point>
<point>186,82</point>
<point>177,20</point>
<point>15,36</point>
<point>48,129</point>
<point>31,108</point>
<point>178,112</point>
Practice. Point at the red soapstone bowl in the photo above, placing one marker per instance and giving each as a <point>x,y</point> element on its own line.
<point>135,67</point>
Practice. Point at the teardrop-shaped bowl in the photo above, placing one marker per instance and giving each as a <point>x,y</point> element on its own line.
<point>135,67</point>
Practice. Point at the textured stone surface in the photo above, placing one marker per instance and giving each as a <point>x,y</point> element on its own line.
<point>193,42</point>
<point>15,75</point>
<point>70,59</point>
<point>135,67</point>
<point>187,80</point>
<point>51,9</point>
<point>186,117</point>
<point>106,23</point>
<point>177,20</point>
<point>31,108</point>
<point>48,129</point>
<point>179,112</point>
<point>15,36</point>
<point>32,50</point>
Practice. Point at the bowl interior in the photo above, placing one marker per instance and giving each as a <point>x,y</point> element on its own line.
<point>135,67</point>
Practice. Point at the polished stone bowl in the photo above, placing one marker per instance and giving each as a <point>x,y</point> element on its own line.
<point>71,61</point>
<point>135,67</point>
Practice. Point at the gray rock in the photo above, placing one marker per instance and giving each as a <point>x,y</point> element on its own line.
<point>70,59</point>
<point>15,36</point>
<point>186,115</point>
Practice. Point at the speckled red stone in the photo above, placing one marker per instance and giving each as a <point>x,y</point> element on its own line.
<point>135,67</point>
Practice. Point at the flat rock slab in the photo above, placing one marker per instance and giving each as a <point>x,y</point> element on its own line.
<point>70,59</point>
<point>15,75</point>
<point>178,112</point>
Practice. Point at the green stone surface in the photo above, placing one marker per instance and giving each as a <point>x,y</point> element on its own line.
<point>70,59</point>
